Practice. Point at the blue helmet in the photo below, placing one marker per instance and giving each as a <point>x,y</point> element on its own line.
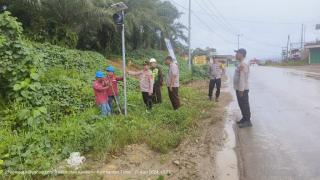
<point>99,74</point>
<point>110,69</point>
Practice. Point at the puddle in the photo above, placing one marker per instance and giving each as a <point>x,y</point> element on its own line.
<point>303,74</point>
<point>226,160</point>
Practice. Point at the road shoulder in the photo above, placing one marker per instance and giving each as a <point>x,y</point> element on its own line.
<point>194,158</point>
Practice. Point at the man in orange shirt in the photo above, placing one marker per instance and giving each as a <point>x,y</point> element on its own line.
<point>100,92</point>
<point>113,92</point>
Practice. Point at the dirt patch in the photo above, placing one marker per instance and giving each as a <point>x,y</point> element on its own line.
<point>194,158</point>
<point>117,63</point>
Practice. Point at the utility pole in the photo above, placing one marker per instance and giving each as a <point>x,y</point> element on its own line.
<point>238,35</point>
<point>302,35</point>
<point>288,47</point>
<point>189,43</point>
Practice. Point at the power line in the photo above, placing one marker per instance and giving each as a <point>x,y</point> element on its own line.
<point>213,31</point>
<point>250,20</point>
<point>268,22</point>
<point>210,28</point>
<point>233,27</point>
<point>204,23</point>
<point>267,44</point>
<point>180,5</point>
<point>215,18</point>
<point>222,16</point>
<point>224,22</point>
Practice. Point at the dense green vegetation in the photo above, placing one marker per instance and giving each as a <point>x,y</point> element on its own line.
<point>47,104</point>
<point>88,25</point>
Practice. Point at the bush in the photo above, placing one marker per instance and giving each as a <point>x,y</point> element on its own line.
<point>47,105</point>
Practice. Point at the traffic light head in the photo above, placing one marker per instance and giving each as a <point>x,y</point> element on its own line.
<point>118,19</point>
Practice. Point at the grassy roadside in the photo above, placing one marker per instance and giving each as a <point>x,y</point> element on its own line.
<point>44,147</point>
<point>162,130</point>
<point>48,110</point>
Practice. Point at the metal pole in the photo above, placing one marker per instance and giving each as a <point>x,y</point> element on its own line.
<point>288,47</point>
<point>304,33</point>
<point>302,29</point>
<point>238,41</point>
<point>189,35</point>
<point>124,67</point>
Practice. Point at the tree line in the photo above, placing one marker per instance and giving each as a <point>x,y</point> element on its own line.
<point>88,24</point>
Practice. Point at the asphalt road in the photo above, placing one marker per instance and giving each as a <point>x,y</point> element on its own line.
<point>284,142</point>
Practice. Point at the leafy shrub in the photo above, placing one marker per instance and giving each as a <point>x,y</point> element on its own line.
<point>19,70</point>
<point>47,105</point>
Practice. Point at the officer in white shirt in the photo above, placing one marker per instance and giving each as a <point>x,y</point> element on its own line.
<point>215,73</point>
<point>241,86</point>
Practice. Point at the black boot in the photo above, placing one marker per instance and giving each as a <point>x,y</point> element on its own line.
<point>241,121</point>
<point>245,124</point>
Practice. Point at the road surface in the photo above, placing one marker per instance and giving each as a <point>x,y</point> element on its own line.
<point>284,142</point>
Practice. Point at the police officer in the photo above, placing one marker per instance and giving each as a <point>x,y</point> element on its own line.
<point>241,86</point>
<point>215,73</point>
<point>158,81</point>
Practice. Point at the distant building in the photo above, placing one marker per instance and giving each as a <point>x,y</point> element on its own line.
<point>295,51</point>
<point>295,54</point>
<point>200,60</point>
<point>254,61</point>
<point>184,56</point>
<point>226,59</point>
<point>313,50</point>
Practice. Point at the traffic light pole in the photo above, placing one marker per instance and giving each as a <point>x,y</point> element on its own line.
<point>124,66</point>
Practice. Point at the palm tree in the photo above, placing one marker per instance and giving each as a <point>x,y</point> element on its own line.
<point>88,23</point>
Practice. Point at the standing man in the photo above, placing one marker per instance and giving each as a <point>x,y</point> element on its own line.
<point>241,85</point>
<point>113,91</point>
<point>146,84</point>
<point>215,73</point>
<point>173,82</point>
<point>158,80</point>
<point>100,91</point>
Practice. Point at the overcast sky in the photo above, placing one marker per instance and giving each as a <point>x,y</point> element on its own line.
<point>264,25</point>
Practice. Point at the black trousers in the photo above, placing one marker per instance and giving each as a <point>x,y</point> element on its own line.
<point>174,97</point>
<point>212,84</point>
<point>156,96</point>
<point>244,105</point>
<point>147,100</point>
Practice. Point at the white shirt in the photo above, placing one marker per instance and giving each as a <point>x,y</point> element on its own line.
<point>241,77</point>
<point>215,71</point>
<point>173,71</point>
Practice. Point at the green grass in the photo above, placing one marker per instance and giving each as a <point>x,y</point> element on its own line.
<point>162,130</point>
<point>73,122</point>
<point>47,107</point>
